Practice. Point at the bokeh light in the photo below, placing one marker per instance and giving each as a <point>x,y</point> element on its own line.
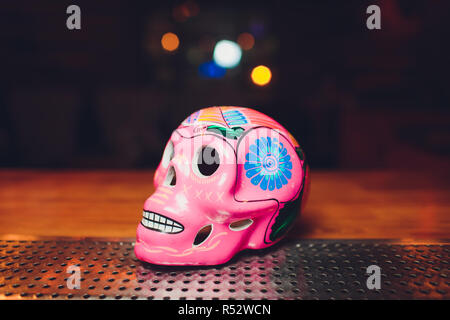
<point>261,75</point>
<point>196,56</point>
<point>211,70</point>
<point>185,11</point>
<point>246,40</point>
<point>257,28</point>
<point>227,54</point>
<point>170,41</point>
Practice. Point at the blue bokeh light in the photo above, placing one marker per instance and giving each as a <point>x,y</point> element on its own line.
<point>211,70</point>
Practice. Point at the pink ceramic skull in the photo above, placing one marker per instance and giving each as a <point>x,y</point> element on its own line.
<point>230,178</point>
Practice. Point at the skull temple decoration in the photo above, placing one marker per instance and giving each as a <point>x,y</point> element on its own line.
<point>230,178</point>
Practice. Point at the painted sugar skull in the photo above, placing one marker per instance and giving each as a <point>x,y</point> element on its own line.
<point>230,178</point>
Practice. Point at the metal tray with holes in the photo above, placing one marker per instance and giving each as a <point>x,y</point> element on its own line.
<point>301,269</point>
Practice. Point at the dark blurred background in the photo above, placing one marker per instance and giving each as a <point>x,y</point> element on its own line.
<point>109,95</point>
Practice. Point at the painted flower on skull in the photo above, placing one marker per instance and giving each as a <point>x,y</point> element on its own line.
<point>268,164</point>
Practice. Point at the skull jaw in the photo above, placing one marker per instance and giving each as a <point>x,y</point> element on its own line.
<point>143,253</point>
<point>177,249</point>
<point>155,250</point>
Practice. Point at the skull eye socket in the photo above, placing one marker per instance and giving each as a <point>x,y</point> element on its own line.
<point>167,154</point>
<point>202,235</point>
<point>206,162</point>
<point>171,177</point>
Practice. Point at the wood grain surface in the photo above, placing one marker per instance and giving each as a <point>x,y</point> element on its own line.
<point>342,204</point>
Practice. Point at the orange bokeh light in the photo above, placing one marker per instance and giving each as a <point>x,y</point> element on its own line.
<point>170,41</point>
<point>246,41</point>
<point>261,75</point>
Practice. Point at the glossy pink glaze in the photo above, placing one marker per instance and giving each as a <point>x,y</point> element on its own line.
<point>252,148</point>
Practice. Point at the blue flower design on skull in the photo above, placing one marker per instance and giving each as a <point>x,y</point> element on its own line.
<point>268,164</point>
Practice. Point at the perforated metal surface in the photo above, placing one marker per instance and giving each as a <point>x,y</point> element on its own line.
<point>309,269</point>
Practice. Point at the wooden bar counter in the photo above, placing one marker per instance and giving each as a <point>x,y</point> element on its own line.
<point>342,204</point>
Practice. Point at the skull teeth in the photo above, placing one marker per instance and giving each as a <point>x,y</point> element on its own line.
<point>158,222</point>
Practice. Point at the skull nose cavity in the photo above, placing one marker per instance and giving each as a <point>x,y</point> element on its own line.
<point>202,235</point>
<point>171,177</point>
<point>240,224</point>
